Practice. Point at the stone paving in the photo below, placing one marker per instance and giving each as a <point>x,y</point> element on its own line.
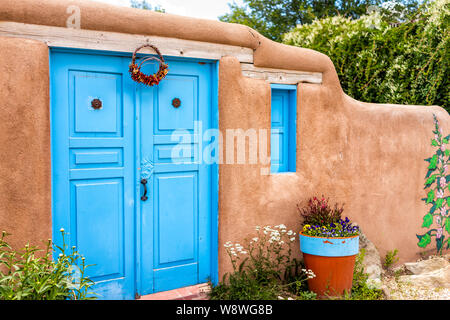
<point>197,292</point>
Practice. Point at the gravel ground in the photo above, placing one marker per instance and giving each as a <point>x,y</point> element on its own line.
<point>397,289</point>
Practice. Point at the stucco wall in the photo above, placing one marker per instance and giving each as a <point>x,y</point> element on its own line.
<point>369,156</point>
<point>25,189</point>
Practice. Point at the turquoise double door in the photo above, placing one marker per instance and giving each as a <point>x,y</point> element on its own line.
<point>127,185</point>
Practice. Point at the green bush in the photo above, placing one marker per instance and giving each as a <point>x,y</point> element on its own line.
<point>378,61</point>
<point>390,258</point>
<point>31,274</point>
<point>360,288</point>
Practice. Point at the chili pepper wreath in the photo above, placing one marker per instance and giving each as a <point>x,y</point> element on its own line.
<point>151,79</point>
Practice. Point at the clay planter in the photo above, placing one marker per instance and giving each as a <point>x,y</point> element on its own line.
<point>332,260</point>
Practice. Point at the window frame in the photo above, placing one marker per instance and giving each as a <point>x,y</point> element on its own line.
<point>290,128</point>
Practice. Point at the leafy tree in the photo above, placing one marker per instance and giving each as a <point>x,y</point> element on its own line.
<point>273,18</point>
<point>143,4</point>
<point>377,61</point>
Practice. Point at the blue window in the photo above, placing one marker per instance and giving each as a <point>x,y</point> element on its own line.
<point>283,128</point>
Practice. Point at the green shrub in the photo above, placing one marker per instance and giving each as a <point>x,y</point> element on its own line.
<point>390,258</point>
<point>31,274</point>
<point>377,61</point>
<point>360,289</point>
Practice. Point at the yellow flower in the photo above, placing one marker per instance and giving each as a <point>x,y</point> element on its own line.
<point>306,227</point>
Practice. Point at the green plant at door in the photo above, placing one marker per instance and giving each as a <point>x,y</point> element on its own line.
<point>437,185</point>
<point>32,274</point>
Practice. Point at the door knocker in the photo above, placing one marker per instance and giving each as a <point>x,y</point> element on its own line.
<point>176,102</point>
<point>96,104</point>
<point>148,79</point>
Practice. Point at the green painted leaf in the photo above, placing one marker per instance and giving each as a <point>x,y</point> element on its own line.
<point>439,202</point>
<point>430,171</point>
<point>447,152</point>
<point>433,162</point>
<point>431,179</point>
<point>430,196</point>
<point>448,201</point>
<point>433,208</point>
<point>448,243</point>
<point>424,240</point>
<point>447,224</point>
<point>427,220</point>
<point>445,141</point>
<point>434,143</point>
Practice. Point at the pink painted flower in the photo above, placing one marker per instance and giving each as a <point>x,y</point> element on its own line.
<point>440,194</point>
<point>439,233</point>
<point>445,169</point>
<point>443,148</point>
<point>443,183</point>
<point>438,219</point>
<point>443,211</point>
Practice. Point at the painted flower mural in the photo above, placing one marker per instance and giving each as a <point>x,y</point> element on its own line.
<point>437,183</point>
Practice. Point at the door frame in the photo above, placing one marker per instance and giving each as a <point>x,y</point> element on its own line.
<point>214,103</point>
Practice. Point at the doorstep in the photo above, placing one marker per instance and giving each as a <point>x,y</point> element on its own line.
<point>197,292</point>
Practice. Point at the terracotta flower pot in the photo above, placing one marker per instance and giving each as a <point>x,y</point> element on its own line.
<point>332,260</point>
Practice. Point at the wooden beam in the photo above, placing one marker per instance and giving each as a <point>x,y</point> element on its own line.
<point>280,75</point>
<point>122,42</point>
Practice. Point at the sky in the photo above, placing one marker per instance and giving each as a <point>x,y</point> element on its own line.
<point>207,9</point>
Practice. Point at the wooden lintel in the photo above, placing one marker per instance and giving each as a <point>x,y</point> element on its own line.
<point>280,75</point>
<point>122,42</point>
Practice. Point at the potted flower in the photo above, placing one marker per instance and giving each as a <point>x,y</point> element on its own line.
<point>329,245</point>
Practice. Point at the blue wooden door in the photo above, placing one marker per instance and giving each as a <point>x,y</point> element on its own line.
<point>175,227</point>
<point>93,166</point>
<point>100,154</point>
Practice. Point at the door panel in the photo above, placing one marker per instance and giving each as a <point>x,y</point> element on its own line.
<point>177,216</point>
<point>98,210</point>
<point>185,89</point>
<point>86,86</point>
<point>93,171</point>
<point>176,194</point>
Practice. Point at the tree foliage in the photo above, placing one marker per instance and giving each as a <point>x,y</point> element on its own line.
<point>273,18</point>
<point>378,61</point>
<point>143,4</point>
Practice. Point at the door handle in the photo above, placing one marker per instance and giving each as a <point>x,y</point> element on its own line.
<point>144,196</point>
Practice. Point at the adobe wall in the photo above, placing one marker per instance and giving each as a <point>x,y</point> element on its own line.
<point>369,156</point>
<point>25,182</point>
